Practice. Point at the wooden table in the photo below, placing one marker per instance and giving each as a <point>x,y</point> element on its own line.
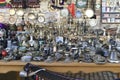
<point>61,67</point>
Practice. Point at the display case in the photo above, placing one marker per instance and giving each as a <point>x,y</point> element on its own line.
<point>110,11</point>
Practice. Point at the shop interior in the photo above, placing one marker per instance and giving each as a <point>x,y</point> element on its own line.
<point>65,36</point>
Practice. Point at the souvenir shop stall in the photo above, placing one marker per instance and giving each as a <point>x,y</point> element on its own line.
<point>60,39</point>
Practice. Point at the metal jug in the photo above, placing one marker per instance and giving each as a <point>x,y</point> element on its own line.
<point>113,58</point>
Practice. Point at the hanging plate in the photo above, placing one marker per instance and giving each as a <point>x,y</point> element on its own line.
<point>12,19</point>
<point>31,16</point>
<point>2,19</point>
<point>78,14</point>
<point>12,11</point>
<point>41,18</point>
<point>81,3</point>
<point>93,22</point>
<point>64,12</point>
<point>20,12</point>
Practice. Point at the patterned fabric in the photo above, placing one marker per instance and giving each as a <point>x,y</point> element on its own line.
<point>2,3</point>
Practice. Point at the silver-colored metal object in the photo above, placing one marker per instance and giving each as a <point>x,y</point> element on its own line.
<point>25,74</point>
<point>113,58</point>
<point>67,58</point>
<point>98,59</point>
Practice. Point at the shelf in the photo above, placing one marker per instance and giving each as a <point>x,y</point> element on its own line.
<point>110,12</point>
<point>110,23</point>
<point>60,66</point>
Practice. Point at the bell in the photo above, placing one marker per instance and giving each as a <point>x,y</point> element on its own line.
<point>113,58</point>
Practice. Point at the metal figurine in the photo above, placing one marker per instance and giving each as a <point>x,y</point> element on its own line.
<point>114,57</point>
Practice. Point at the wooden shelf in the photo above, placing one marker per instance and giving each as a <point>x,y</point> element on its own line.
<point>60,67</point>
<point>110,12</point>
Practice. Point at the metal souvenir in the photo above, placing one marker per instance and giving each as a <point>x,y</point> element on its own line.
<point>2,19</point>
<point>93,22</point>
<point>20,12</point>
<point>64,12</point>
<point>67,58</point>
<point>113,58</point>
<point>98,59</point>
<point>44,6</point>
<point>26,58</point>
<point>49,59</point>
<point>41,19</point>
<point>81,3</point>
<point>87,58</point>
<point>31,16</point>
<point>78,14</point>
<point>2,34</point>
<point>12,11</point>
<point>58,56</point>
<point>12,19</point>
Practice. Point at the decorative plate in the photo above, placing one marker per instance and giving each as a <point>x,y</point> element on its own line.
<point>20,12</point>
<point>81,3</point>
<point>12,19</point>
<point>12,11</point>
<point>93,22</point>
<point>64,12</point>
<point>2,19</point>
<point>31,16</point>
<point>78,14</point>
<point>41,19</point>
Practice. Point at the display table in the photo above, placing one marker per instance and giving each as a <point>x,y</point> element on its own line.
<point>61,67</point>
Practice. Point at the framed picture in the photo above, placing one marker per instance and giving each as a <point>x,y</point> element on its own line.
<point>81,3</point>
